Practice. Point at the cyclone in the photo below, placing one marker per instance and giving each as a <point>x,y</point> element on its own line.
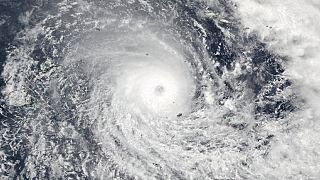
<point>175,89</point>
<point>145,73</point>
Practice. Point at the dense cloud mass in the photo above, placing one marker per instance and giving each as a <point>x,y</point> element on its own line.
<point>166,89</point>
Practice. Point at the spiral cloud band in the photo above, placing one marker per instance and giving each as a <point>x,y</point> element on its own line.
<point>168,89</point>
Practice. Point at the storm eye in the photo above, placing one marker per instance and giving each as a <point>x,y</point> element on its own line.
<point>159,90</point>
